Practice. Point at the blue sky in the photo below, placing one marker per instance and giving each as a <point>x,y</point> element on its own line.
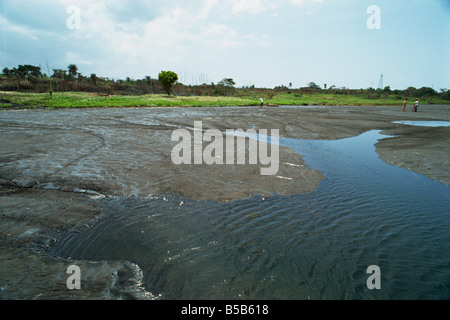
<point>255,42</point>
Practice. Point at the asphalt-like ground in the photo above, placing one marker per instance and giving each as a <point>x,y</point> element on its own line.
<point>55,163</point>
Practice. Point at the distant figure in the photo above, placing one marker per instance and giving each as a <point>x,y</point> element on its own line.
<point>416,105</point>
<point>262,102</point>
<point>404,104</point>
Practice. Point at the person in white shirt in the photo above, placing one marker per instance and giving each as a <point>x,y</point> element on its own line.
<point>416,105</point>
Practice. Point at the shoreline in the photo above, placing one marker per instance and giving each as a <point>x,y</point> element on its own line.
<point>78,100</point>
<point>14,106</point>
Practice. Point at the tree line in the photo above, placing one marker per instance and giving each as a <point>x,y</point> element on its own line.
<point>33,79</point>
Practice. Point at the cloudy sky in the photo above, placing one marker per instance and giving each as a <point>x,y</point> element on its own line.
<point>346,43</point>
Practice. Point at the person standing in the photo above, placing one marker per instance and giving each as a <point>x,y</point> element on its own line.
<point>261,101</point>
<point>416,105</point>
<point>404,104</point>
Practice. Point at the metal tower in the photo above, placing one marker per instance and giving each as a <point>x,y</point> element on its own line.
<point>380,84</point>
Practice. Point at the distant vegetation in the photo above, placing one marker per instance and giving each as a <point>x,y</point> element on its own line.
<point>28,85</point>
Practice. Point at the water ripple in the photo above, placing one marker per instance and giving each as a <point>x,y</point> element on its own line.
<point>315,245</point>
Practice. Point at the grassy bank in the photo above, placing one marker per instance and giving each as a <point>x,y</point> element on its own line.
<point>83,99</point>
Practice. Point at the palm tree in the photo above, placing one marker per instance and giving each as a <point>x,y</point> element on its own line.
<point>73,70</point>
<point>94,79</point>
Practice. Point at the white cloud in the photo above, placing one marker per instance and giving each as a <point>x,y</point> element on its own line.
<point>168,37</point>
<point>176,34</point>
<point>206,10</point>
<point>251,6</point>
<point>175,37</point>
<point>219,36</point>
<point>16,29</point>
<point>301,2</point>
<point>120,38</point>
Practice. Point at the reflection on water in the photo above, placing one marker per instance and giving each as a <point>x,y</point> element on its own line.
<point>316,245</point>
<point>425,123</point>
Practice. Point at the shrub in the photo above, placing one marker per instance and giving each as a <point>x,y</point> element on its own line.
<point>167,79</point>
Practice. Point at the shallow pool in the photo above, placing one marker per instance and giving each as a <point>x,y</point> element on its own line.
<point>425,123</point>
<point>310,246</point>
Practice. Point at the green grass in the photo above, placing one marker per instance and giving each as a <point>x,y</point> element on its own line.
<point>333,99</point>
<point>83,100</point>
<point>89,100</point>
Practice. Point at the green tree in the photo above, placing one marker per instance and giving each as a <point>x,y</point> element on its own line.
<point>73,70</point>
<point>314,85</point>
<point>26,71</point>
<point>410,92</point>
<point>227,82</point>
<point>6,71</point>
<point>93,79</point>
<point>59,73</point>
<point>425,92</point>
<point>446,95</point>
<point>167,79</point>
<point>224,87</point>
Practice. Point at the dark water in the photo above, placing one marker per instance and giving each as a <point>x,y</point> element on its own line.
<point>316,245</point>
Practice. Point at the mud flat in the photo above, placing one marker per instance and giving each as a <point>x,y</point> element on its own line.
<point>54,164</point>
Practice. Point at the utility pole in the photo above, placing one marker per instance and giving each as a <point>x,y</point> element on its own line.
<point>50,80</point>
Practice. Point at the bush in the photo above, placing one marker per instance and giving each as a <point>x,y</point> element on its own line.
<point>411,92</point>
<point>426,92</point>
<point>446,95</point>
